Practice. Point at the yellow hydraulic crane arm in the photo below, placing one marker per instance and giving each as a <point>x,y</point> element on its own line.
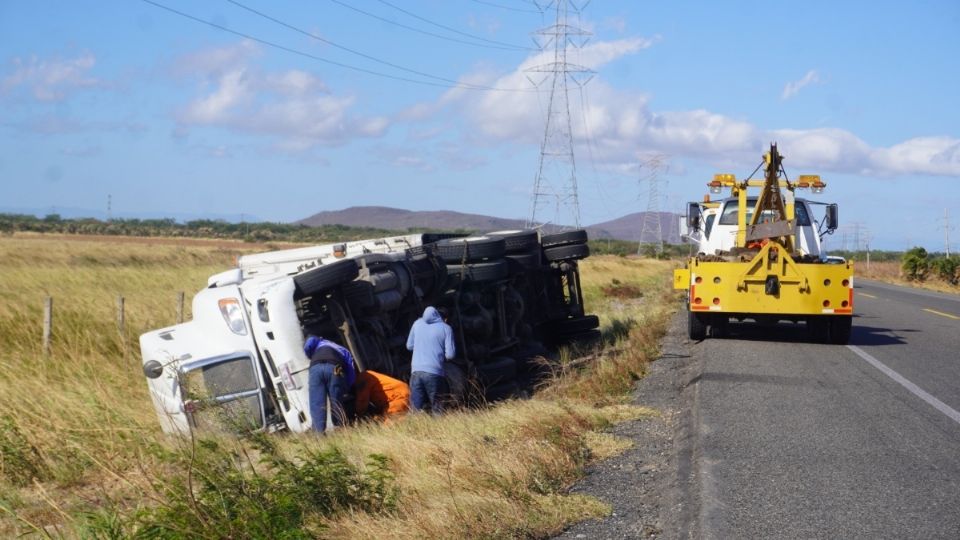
<point>773,216</point>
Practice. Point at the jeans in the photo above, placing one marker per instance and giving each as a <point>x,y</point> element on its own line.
<point>427,391</point>
<point>323,382</point>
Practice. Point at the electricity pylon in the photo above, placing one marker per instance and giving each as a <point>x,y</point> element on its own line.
<point>556,181</point>
<point>650,226</point>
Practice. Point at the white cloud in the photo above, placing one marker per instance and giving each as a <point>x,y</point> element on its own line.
<point>51,79</point>
<point>792,87</point>
<point>294,106</point>
<point>621,127</point>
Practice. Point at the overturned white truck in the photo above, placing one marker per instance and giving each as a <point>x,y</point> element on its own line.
<point>511,296</point>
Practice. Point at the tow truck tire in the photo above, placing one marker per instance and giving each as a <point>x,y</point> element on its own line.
<point>519,241</point>
<point>480,272</point>
<point>471,248</point>
<point>566,253</point>
<point>840,327</point>
<point>325,277</point>
<point>696,326</point>
<point>578,236</point>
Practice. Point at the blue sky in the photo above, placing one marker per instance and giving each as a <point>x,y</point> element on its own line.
<point>172,117</point>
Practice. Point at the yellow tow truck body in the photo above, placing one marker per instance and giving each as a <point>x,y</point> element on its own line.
<point>763,276</point>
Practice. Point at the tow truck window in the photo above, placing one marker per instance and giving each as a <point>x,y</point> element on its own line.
<point>729,215</point>
<point>224,394</point>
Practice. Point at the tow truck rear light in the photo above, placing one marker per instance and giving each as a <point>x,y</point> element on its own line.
<point>233,315</point>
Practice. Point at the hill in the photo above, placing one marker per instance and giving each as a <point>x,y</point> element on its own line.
<point>624,228</point>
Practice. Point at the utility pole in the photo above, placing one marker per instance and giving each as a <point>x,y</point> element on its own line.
<point>109,207</point>
<point>946,232</point>
<point>556,179</point>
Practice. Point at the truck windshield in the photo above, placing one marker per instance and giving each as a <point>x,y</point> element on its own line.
<point>223,393</point>
<point>729,215</point>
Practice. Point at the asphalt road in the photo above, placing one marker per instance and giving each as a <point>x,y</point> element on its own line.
<point>798,440</point>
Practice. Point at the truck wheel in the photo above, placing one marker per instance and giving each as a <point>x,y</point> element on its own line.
<point>502,391</point>
<point>480,272</point>
<point>818,329</point>
<point>498,370</point>
<point>325,277</point>
<point>570,252</point>
<point>696,326</point>
<point>518,241</point>
<point>575,325</point>
<point>359,294</point>
<point>578,236</point>
<point>471,248</point>
<point>840,327</point>
<point>522,262</point>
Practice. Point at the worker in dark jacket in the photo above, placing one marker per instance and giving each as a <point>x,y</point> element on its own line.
<point>331,374</point>
<point>431,340</point>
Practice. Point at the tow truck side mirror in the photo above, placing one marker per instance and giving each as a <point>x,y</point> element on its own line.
<point>693,216</point>
<point>833,217</point>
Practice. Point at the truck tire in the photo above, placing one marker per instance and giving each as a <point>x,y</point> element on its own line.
<point>325,277</point>
<point>696,326</point>
<point>501,392</point>
<point>840,328</point>
<point>520,263</point>
<point>498,370</point>
<point>471,249</point>
<point>578,236</point>
<point>359,294</point>
<point>565,253</point>
<point>519,241</point>
<point>575,325</point>
<point>480,272</point>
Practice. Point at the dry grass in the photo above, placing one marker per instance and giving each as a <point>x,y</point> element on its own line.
<point>890,272</point>
<point>78,431</point>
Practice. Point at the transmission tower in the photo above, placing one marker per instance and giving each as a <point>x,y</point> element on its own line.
<point>651,227</point>
<point>556,181</point>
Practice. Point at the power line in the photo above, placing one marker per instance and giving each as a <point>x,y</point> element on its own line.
<point>424,32</point>
<point>324,60</point>
<point>454,30</point>
<point>511,8</point>
<point>341,47</point>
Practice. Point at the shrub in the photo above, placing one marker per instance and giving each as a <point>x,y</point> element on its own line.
<point>947,269</point>
<point>915,264</point>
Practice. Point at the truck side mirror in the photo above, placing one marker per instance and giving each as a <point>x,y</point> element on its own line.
<point>693,216</point>
<point>833,217</point>
<point>153,369</point>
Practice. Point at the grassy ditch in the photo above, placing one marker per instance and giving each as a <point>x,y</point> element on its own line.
<point>81,453</point>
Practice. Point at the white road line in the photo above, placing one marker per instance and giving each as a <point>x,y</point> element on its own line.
<point>914,389</point>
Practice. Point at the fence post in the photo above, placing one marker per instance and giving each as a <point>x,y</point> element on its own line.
<point>47,323</point>
<point>179,307</point>
<point>120,315</point>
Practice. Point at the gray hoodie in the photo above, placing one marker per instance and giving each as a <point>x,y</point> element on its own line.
<point>431,341</point>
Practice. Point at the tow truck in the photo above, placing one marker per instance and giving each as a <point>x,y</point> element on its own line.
<point>759,257</point>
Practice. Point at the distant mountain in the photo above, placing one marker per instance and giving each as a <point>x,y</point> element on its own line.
<point>68,212</point>
<point>629,227</point>
<point>625,228</point>
<point>395,219</point>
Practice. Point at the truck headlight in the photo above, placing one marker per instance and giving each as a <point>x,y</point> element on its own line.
<point>233,315</point>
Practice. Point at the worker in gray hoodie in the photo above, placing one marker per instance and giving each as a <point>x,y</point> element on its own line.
<point>431,340</point>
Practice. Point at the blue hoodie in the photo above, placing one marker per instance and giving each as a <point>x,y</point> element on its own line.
<point>349,371</point>
<point>431,341</point>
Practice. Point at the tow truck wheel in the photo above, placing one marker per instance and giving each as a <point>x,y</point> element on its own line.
<point>840,327</point>
<point>696,326</point>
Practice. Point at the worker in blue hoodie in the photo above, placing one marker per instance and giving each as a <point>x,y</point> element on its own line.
<point>331,374</point>
<point>431,340</point>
